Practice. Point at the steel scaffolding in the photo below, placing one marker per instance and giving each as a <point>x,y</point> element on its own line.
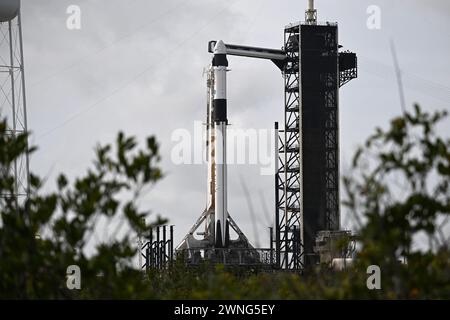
<point>307,172</point>
<point>13,100</point>
<point>289,217</point>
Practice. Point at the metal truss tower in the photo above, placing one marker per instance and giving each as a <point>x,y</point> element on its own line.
<point>288,194</point>
<point>307,172</point>
<point>12,94</point>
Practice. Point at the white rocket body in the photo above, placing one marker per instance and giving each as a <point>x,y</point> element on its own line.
<point>220,64</point>
<point>210,201</point>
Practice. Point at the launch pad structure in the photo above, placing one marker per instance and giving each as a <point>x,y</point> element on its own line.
<point>306,179</point>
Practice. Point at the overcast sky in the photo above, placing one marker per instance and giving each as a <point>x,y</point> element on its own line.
<point>137,66</point>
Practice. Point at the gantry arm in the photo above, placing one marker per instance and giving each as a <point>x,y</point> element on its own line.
<point>276,56</point>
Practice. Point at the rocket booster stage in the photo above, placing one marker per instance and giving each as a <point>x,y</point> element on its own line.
<point>220,64</point>
<point>215,219</point>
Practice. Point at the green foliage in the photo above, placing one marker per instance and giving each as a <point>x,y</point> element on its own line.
<point>33,266</point>
<point>400,185</point>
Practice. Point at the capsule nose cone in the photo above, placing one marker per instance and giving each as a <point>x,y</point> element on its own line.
<point>220,48</point>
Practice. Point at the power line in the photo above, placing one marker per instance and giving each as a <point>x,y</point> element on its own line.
<point>111,44</point>
<point>399,77</point>
<point>132,80</point>
<point>410,80</point>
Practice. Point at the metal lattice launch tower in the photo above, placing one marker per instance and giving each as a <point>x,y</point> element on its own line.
<point>307,180</point>
<point>12,89</point>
